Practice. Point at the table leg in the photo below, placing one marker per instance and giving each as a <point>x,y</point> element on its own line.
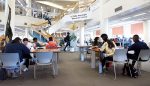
<point>93,58</point>
<point>56,63</point>
<point>82,54</point>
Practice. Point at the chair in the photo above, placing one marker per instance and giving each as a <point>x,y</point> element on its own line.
<point>10,61</point>
<point>43,59</point>
<point>119,57</point>
<point>144,56</point>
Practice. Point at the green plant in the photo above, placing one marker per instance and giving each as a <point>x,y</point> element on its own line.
<point>73,37</point>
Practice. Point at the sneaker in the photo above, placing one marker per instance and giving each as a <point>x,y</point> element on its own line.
<point>26,69</point>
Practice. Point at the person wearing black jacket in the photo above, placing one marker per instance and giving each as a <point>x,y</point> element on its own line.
<point>67,40</point>
<point>136,47</point>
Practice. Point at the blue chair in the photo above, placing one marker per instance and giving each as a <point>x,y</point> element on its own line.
<point>10,61</point>
<point>44,59</point>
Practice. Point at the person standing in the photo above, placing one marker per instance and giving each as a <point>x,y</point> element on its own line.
<point>67,40</point>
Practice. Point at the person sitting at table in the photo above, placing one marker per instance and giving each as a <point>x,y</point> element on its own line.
<point>17,47</point>
<point>136,47</point>
<point>51,44</point>
<point>107,50</point>
<point>27,43</point>
<point>35,43</point>
<point>97,42</point>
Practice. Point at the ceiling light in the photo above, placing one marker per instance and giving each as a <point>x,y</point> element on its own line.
<point>20,3</point>
<point>126,18</point>
<point>52,4</point>
<point>139,14</point>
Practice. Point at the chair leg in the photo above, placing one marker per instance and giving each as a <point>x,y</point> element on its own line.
<point>114,70</point>
<point>139,67</point>
<point>53,68</point>
<point>20,71</point>
<point>34,72</point>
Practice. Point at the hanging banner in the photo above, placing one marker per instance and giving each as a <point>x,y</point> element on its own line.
<point>81,16</point>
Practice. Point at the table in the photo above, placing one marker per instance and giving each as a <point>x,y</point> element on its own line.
<point>82,47</point>
<point>56,51</point>
<point>93,57</point>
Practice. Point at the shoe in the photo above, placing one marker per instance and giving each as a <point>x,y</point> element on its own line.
<point>26,69</point>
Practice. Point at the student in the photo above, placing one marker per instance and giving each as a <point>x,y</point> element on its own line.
<point>67,40</point>
<point>17,47</point>
<point>51,44</point>
<point>27,43</point>
<point>97,42</point>
<point>35,43</point>
<point>107,49</point>
<point>136,47</point>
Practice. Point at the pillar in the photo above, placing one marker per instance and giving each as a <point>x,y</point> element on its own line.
<point>147,32</point>
<point>82,27</point>
<point>105,27</point>
<point>28,9</point>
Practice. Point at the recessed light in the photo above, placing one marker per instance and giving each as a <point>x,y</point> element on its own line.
<point>139,14</point>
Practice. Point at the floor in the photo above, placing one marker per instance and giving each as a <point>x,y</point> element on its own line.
<point>73,72</point>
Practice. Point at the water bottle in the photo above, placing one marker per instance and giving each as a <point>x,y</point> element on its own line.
<point>100,67</point>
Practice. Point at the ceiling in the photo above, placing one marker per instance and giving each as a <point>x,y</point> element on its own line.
<point>136,14</point>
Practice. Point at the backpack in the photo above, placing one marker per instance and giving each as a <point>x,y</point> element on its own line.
<point>65,39</point>
<point>3,74</point>
<point>130,70</point>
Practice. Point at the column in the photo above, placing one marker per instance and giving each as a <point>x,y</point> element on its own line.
<point>147,32</point>
<point>105,27</point>
<point>127,30</point>
<point>82,35</point>
<point>28,9</point>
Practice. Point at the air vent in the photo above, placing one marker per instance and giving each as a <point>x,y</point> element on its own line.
<point>25,23</point>
<point>118,9</point>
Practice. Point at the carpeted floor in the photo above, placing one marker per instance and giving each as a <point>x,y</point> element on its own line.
<point>73,72</point>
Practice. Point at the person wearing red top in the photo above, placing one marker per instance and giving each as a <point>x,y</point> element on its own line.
<point>51,44</point>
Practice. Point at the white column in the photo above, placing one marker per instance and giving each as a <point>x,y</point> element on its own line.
<point>29,10</point>
<point>82,36</point>
<point>147,32</point>
<point>105,27</point>
<point>127,30</point>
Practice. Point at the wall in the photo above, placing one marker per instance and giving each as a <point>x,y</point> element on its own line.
<point>109,7</point>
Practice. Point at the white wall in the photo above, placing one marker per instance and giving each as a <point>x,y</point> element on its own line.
<point>20,20</point>
<point>109,7</point>
<point>2,17</point>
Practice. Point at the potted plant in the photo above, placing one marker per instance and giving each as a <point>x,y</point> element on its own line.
<point>73,42</point>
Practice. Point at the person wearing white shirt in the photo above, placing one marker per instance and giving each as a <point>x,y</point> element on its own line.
<point>27,43</point>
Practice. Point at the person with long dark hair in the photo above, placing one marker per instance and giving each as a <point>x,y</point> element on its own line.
<point>107,49</point>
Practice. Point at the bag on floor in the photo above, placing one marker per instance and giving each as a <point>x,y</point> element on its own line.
<point>3,74</point>
<point>130,70</point>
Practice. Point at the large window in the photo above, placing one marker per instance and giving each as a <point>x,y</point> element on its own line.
<point>137,28</point>
<point>117,30</point>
